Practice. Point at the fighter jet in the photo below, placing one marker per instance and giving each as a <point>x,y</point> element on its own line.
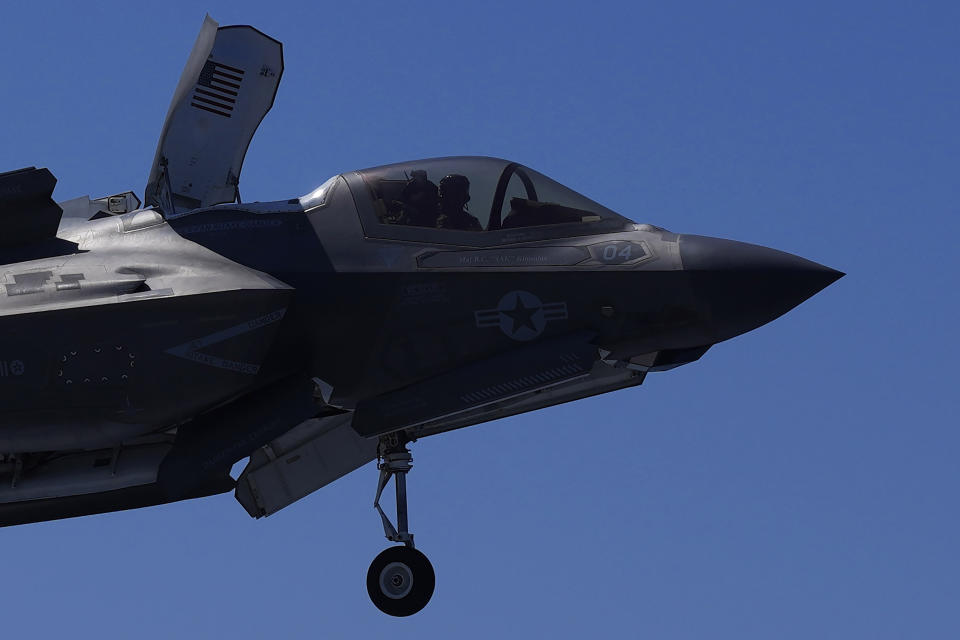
<point>144,350</point>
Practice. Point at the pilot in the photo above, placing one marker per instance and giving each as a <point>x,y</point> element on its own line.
<point>454,196</point>
<point>419,201</point>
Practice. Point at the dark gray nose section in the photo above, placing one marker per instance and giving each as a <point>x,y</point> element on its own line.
<point>745,285</point>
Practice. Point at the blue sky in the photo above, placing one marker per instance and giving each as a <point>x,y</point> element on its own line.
<point>800,481</point>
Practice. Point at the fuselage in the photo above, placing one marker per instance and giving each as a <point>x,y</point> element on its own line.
<point>152,321</point>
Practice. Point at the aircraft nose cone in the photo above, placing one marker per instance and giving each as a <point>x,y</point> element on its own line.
<point>746,285</point>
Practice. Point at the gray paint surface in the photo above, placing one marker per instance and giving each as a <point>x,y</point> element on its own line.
<point>194,332</point>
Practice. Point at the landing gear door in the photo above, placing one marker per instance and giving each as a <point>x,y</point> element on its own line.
<point>226,88</point>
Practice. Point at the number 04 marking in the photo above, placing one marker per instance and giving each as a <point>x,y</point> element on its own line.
<point>610,252</point>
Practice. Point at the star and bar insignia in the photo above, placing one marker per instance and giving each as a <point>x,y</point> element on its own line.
<point>521,315</point>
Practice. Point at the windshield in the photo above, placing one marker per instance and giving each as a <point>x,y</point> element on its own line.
<point>474,194</point>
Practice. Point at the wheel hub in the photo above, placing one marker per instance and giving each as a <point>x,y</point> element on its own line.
<point>396,580</point>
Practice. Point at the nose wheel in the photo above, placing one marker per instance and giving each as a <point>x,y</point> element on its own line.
<point>400,580</point>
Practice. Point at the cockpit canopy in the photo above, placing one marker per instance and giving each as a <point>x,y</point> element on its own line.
<point>475,194</point>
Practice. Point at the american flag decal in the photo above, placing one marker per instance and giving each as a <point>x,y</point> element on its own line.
<point>217,88</point>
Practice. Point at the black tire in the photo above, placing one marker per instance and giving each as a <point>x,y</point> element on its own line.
<point>400,581</point>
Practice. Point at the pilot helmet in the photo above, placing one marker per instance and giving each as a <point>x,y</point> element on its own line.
<point>455,183</point>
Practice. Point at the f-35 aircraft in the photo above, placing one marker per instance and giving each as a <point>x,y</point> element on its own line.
<point>146,350</point>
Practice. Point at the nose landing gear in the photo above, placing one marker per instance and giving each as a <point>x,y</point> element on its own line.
<point>400,580</point>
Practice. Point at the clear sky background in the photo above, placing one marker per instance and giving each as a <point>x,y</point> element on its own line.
<point>800,481</point>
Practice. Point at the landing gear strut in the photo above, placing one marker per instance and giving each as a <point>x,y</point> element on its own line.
<point>400,580</point>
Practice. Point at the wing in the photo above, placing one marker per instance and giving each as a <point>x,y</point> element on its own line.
<point>226,89</point>
<point>68,484</point>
